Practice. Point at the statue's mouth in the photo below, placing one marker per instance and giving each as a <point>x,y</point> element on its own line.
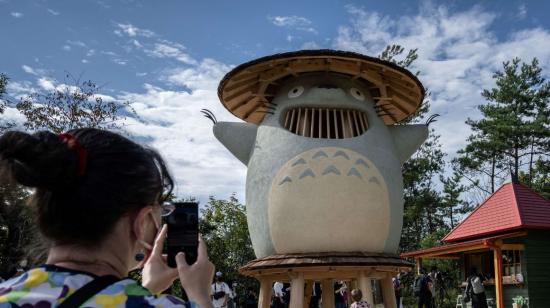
<point>326,123</point>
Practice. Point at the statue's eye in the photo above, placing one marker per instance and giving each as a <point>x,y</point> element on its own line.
<point>295,92</point>
<point>357,94</point>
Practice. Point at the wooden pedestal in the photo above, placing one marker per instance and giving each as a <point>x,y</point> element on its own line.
<point>302,270</point>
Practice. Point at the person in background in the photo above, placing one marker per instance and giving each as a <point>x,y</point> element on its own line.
<point>251,298</point>
<point>315,295</point>
<point>278,295</point>
<point>397,288</point>
<point>358,301</point>
<point>422,289</point>
<point>475,289</point>
<point>432,284</point>
<point>99,200</point>
<point>220,292</point>
<point>340,294</point>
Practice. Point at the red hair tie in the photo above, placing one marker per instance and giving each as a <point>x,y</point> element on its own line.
<point>74,145</point>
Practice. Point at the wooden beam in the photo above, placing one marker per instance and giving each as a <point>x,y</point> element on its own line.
<point>418,265</point>
<point>497,254</point>
<point>512,247</point>
<point>327,297</point>
<point>307,293</point>
<point>264,298</point>
<point>297,291</point>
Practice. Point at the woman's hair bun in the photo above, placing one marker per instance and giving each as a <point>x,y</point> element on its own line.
<point>40,160</point>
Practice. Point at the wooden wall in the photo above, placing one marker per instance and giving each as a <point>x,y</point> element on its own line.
<point>537,258</point>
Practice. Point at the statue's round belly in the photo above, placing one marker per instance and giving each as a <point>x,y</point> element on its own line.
<point>329,199</point>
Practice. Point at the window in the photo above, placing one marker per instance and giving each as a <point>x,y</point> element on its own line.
<point>511,262</point>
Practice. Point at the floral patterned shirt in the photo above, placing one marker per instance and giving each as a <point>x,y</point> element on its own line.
<point>360,304</point>
<point>47,286</point>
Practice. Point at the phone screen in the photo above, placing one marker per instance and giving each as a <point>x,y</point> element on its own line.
<point>183,232</point>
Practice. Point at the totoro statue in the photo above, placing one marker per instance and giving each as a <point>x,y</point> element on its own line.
<point>323,150</point>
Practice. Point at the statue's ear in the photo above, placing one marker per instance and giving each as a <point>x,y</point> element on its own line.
<point>408,138</point>
<point>238,138</point>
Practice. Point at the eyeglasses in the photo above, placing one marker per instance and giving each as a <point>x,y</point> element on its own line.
<point>167,208</point>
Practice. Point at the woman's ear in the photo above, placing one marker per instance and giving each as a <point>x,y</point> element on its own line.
<point>140,223</point>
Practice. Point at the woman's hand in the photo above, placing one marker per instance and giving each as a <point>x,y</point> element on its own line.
<point>157,276</point>
<point>196,279</point>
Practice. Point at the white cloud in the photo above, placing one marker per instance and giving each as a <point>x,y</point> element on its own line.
<point>120,61</point>
<point>310,45</point>
<point>66,47</point>
<point>174,124</point>
<point>46,83</point>
<point>76,43</point>
<point>53,12</point>
<point>166,49</point>
<point>16,14</point>
<point>137,44</point>
<point>458,54</point>
<point>28,69</point>
<point>294,22</point>
<point>522,11</point>
<point>84,61</point>
<point>132,31</point>
<point>90,53</point>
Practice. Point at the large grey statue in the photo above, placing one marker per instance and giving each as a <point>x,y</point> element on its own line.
<point>324,170</point>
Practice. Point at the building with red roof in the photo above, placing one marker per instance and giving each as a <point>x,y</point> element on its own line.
<point>507,239</point>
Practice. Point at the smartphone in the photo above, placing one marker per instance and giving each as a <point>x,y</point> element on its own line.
<point>183,232</point>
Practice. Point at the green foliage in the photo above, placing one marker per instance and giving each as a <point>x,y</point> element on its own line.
<point>16,227</point>
<point>70,107</point>
<point>3,103</point>
<point>225,231</point>
<point>514,130</point>
<point>453,204</point>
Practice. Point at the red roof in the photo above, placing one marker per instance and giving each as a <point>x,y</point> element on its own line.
<point>513,206</point>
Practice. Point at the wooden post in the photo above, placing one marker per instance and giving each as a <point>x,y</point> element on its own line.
<point>388,293</point>
<point>365,285</point>
<point>264,298</point>
<point>297,291</point>
<point>328,293</point>
<point>497,253</point>
<point>308,292</point>
<point>418,265</point>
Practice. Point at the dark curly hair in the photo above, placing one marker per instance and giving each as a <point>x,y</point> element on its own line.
<point>120,178</point>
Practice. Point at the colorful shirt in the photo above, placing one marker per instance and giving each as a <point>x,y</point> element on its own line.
<point>360,304</point>
<point>48,285</point>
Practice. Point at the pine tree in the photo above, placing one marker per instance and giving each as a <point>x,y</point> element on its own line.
<point>515,128</point>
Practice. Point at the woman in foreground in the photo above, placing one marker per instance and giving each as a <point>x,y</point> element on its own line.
<point>98,199</point>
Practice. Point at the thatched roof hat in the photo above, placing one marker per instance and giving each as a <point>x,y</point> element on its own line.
<point>247,89</point>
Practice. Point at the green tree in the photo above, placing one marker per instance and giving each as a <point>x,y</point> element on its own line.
<point>225,231</point>
<point>514,130</point>
<point>423,203</point>
<point>68,107</point>
<point>453,205</point>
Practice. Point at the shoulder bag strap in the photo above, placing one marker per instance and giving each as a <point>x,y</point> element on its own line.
<point>88,291</point>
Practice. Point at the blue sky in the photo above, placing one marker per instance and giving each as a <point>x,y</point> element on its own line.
<point>167,57</point>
